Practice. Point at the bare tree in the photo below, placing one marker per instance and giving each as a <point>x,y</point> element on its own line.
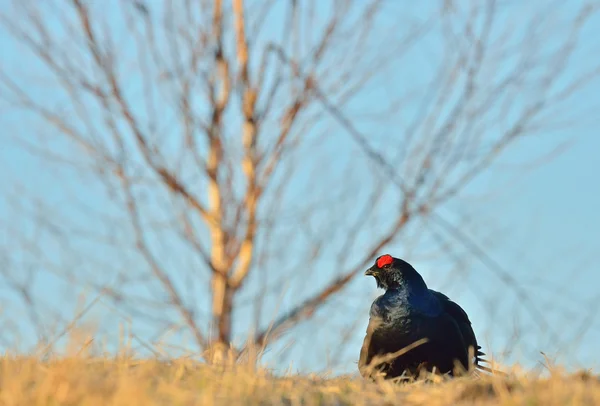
<point>218,148</point>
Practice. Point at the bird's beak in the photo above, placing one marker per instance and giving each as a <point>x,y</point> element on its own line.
<point>371,271</point>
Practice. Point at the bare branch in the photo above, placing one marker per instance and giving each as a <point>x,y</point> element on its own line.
<point>249,141</point>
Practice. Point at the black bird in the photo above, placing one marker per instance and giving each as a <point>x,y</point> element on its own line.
<point>407,313</point>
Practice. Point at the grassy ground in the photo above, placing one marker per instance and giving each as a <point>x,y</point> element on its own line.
<point>79,381</point>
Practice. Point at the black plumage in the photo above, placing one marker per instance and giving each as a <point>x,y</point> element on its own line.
<point>409,312</point>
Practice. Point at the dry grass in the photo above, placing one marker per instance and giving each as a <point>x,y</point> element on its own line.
<point>103,381</point>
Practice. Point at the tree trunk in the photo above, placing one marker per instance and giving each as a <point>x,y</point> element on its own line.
<point>222,308</point>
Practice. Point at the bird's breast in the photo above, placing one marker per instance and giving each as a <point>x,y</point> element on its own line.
<point>397,318</point>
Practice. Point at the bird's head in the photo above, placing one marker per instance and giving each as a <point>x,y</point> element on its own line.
<point>390,272</point>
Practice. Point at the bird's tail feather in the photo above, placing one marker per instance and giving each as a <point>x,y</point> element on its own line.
<point>478,359</point>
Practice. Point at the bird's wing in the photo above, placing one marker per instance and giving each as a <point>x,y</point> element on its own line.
<point>464,324</point>
<point>366,352</point>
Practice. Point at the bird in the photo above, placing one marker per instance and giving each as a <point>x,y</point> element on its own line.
<point>413,329</point>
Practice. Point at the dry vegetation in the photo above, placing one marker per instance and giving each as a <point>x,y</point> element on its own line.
<point>112,381</point>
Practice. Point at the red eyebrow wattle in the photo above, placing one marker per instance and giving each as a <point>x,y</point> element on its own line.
<point>384,260</point>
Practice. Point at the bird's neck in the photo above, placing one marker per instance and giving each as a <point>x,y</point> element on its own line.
<point>409,282</point>
<point>407,291</point>
<point>413,292</point>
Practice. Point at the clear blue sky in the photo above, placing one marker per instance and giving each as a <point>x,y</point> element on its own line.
<point>539,221</point>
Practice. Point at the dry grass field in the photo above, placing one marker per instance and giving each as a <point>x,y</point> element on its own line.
<point>102,381</point>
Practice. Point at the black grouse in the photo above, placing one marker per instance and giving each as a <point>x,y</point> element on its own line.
<point>406,314</point>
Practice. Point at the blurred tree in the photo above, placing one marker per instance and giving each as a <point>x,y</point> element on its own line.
<point>217,148</point>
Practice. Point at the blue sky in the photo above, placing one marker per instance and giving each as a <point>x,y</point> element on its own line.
<point>539,220</point>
